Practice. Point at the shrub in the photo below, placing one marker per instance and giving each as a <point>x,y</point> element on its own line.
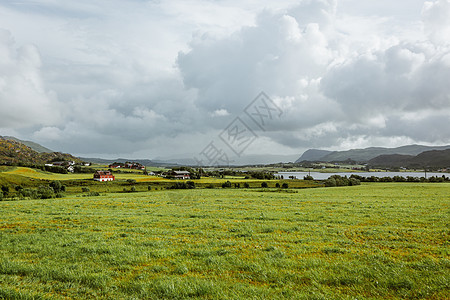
<point>190,184</point>
<point>85,190</point>
<point>149,188</point>
<point>56,169</point>
<point>337,180</point>
<point>45,192</point>
<point>131,181</point>
<point>386,179</point>
<point>264,184</point>
<point>57,186</point>
<point>399,179</point>
<point>246,185</point>
<point>277,185</point>
<point>285,185</point>
<point>179,186</point>
<point>354,181</point>
<point>29,193</point>
<point>308,177</point>
<point>226,184</point>
<point>330,182</point>
<point>1,195</point>
<point>5,190</point>
<point>133,189</point>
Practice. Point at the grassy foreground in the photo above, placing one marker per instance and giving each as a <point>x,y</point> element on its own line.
<point>373,241</point>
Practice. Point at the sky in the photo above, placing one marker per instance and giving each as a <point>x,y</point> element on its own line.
<point>161,78</point>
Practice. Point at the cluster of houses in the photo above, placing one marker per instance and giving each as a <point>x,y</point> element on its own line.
<point>127,165</point>
<point>69,165</point>
<point>173,174</point>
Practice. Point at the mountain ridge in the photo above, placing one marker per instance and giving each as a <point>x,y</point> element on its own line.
<point>432,158</point>
<point>366,154</point>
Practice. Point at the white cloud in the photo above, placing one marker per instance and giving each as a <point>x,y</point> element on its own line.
<point>220,113</point>
<point>24,100</point>
<point>436,20</point>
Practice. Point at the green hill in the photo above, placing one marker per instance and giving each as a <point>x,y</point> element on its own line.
<point>35,146</point>
<point>313,155</point>
<point>15,152</point>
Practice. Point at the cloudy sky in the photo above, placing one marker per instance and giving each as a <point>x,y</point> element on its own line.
<point>159,78</point>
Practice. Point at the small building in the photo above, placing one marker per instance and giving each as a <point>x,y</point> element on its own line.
<point>115,166</point>
<point>103,176</point>
<point>181,175</point>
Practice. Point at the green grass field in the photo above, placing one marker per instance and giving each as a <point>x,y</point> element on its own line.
<point>374,241</point>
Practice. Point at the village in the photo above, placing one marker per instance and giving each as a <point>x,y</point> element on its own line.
<point>104,175</point>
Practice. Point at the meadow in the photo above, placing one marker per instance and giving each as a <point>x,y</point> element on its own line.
<point>374,241</point>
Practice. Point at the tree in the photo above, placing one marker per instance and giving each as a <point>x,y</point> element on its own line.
<point>246,185</point>
<point>285,185</point>
<point>264,184</point>
<point>277,185</point>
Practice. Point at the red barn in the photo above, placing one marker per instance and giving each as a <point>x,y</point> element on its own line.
<point>103,176</point>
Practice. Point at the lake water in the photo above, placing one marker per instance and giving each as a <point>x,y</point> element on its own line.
<point>323,176</point>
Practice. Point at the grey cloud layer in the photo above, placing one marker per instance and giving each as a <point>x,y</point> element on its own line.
<point>133,81</point>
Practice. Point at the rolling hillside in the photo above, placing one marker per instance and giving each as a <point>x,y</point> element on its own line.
<point>35,146</point>
<point>15,152</point>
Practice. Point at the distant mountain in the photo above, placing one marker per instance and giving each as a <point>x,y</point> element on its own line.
<point>313,155</point>
<point>35,146</point>
<point>432,159</point>
<point>390,160</point>
<point>250,159</point>
<point>14,152</point>
<point>364,155</point>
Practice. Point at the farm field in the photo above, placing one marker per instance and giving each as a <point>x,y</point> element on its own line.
<point>374,241</point>
<point>28,177</point>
